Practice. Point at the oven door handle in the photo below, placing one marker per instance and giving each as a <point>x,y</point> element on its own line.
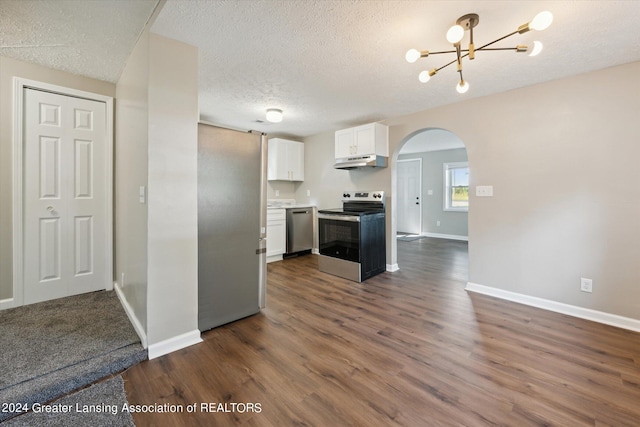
<point>332,217</point>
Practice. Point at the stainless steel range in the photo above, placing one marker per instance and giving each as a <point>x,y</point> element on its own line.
<point>352,238</point>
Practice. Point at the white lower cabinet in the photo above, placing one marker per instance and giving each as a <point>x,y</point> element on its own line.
<point>276,234</point>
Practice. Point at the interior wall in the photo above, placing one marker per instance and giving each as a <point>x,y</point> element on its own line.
<point>172,247</point>
<point>561,157</point>
<point>131,159</point>
<point>281,190</point>
<point>451,223</point>
<point>10,68</point>
<point>156,241</point>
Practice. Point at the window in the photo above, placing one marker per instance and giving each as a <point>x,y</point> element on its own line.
<point>456,187</point>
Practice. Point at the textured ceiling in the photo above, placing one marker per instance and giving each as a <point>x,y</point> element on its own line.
<point>328,64</point>
<point>91,38</point>
<point>332,64</point>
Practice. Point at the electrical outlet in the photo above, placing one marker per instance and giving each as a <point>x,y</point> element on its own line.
<point>308,193</point>
<point>586,285</point>
<point>437,223</point>
<point>122,281</point>
<point>277,193</point>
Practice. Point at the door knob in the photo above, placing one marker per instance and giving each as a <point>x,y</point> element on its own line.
<point>50,208</point>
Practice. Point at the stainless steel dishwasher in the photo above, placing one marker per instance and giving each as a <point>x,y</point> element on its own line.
<point>299,231</point>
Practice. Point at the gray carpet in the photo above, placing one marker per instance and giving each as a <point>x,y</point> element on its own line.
<point>52,348</point>
<point>108,396</point>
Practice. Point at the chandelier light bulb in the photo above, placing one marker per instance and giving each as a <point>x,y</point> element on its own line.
<point>535,49</point>
<point>541,21</point>
<point>424,76</point>
<point>412,55</point>
<point>462,87</point>
<point>455,34</point>
<point>274,115</point>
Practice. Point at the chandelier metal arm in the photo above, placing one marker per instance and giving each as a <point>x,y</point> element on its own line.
<point>497,40</point>
<point>500,48</point>
<point>447,64</point>
<point>442,51</point>
<point>483,47</point>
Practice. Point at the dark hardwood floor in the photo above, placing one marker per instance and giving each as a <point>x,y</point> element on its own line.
<point>406,348</point>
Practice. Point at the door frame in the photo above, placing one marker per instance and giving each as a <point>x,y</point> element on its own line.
<point>419,160</point>
<point>19,85</point>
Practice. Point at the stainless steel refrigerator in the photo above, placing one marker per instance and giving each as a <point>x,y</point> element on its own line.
<point>231,224</point>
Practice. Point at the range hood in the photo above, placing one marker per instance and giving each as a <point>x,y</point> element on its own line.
<point>355,162</point>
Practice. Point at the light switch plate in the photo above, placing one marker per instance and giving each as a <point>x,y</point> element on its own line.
<point>484,190</point>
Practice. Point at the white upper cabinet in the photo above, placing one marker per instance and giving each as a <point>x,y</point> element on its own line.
<point>286,160</point>
<point>372,138</point>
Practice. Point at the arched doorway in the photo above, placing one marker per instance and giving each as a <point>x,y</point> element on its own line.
<point>432,199</point>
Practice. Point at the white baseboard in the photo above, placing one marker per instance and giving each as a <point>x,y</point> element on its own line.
<point>315,251</point>
<point>131,315</point>
<point>6,303</point>
<point>392,267</point>
<point>558,307</point>
<point>446,236</point>
<point>274,258</point>
<point>174,344</point>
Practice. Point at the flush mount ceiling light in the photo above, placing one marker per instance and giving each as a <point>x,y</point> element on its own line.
<point>274,115</point>
<point>467,23</point>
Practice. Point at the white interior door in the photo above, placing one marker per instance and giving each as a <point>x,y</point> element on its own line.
<point>409,195</point>
<point>65,147</point>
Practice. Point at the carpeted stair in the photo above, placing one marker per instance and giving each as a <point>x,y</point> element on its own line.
<point>52,348</point>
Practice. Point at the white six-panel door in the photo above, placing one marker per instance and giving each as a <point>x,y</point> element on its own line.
<point>64,195</point>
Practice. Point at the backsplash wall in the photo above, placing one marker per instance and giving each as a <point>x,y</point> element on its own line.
<point>284,189</point>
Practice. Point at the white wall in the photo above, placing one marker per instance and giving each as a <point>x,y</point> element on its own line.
<point>172,247</point>
<point>156,243</point>
<point>131,159</point>
<point>562,159</point>
<point>285,190</point>
<point>10,68</point>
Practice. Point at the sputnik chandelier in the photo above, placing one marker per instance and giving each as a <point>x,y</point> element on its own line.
<point>467,23</point>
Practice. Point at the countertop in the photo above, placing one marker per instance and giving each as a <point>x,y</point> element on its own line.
<point>287,204</point>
